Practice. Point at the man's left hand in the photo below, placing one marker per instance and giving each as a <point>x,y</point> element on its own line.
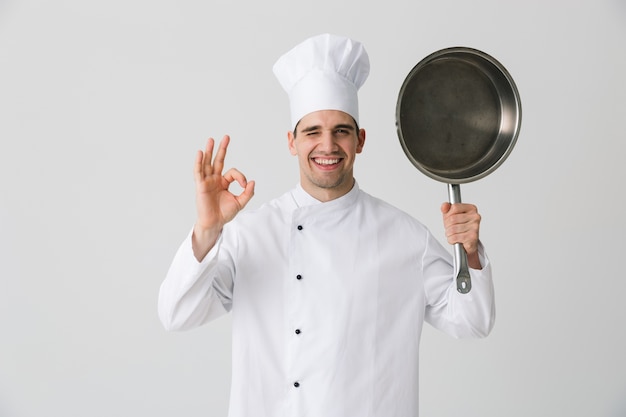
<point>462,225</point>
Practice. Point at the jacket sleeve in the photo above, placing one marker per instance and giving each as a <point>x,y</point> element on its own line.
<point>194,293</point>
<point>470,315</point>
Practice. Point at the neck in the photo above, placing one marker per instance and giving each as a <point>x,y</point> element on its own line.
<point>326,194</point>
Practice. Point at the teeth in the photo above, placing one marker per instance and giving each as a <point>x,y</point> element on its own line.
<point>327,161</point>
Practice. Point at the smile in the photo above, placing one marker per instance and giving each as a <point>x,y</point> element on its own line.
<point>326,161</point>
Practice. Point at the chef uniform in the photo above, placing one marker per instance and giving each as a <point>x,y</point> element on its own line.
<point>327,298</point>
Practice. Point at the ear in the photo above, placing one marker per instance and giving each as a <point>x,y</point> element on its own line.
<point>291,143</point>
<point>360,141</point>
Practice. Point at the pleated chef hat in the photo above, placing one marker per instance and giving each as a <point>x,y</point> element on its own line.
<point>323,73</point>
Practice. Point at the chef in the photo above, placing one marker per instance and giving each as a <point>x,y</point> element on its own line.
<point>328,286</point>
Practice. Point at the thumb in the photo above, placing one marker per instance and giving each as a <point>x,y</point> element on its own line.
<point>445,207</point>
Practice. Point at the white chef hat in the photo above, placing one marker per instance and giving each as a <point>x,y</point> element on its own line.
<point>323,73</point>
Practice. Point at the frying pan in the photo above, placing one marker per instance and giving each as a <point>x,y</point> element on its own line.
<point>458,117</point>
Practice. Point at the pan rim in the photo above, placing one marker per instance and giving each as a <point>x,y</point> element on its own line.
<point>509,117</point>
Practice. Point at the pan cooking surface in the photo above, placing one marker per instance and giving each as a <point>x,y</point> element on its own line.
<point>454,116</point>
<point>457,115</point>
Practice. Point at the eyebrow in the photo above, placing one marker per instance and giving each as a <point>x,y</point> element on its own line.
<point>317,127</point>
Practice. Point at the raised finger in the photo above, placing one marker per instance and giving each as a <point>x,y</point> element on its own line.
<point>198,171</point>
<point>207,169</point>
<point>220,156</point>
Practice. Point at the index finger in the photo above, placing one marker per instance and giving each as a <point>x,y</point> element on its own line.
<point>462,208</point>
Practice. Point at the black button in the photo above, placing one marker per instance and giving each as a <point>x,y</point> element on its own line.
<point>298,331</point>
<point>299,227</point>
<point>298,276</point>
<point>296,384</point>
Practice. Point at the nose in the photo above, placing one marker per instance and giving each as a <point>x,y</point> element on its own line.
<point>327,142</point>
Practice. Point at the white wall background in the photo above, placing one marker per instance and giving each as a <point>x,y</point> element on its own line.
<point>103,105</point>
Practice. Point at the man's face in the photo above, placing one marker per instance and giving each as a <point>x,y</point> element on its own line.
<point>326,143</point>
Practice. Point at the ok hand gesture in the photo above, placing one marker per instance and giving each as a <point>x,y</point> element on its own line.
<point>215,204</point>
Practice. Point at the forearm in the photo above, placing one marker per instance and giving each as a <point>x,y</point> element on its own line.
<point>473,261</point>
<point>473,314</point>
<point>468,315</point>
<point>193,292</point>
<point>203,240</point>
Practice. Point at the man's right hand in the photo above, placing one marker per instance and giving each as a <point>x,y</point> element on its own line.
<point>216,205</point>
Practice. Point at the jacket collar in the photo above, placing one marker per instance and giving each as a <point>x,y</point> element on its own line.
<point>303,199</point>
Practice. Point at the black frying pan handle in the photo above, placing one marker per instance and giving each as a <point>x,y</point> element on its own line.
<point>463,280</point>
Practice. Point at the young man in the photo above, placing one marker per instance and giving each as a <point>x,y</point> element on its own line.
<point>328,286</point>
